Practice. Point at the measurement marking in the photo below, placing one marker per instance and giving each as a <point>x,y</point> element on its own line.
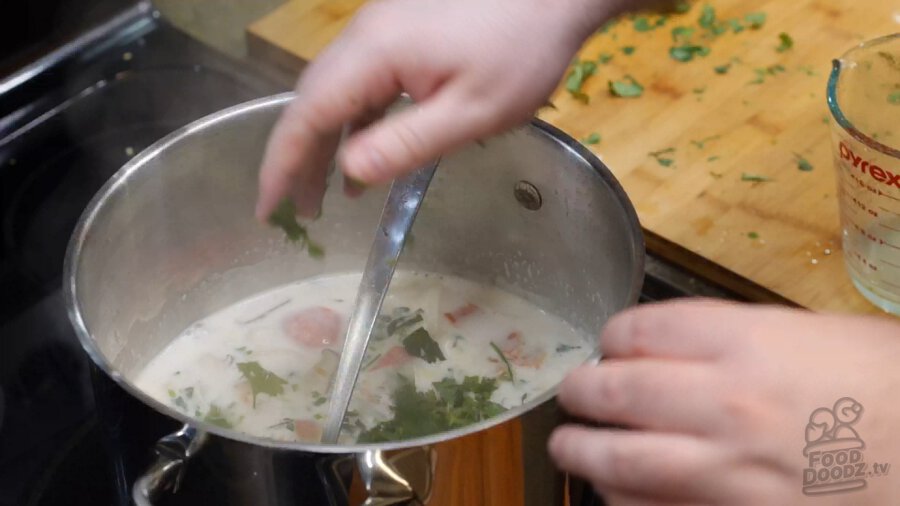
<point>888,196</point>
<point>892,285</point>
<point>888,210</point>
<point>891,245</point>
<point>889,228</point>
<point>890,263</point>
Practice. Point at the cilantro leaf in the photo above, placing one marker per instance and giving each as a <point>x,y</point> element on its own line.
<point>642,24</point>
<point>722,69</point>
<point>736,25</point>
<point>262,381</point>
<point>687,52</point>
<point>707,17</point>
<point>216,416</point>
<point>754,178</point>
<point>285,218</point>
<point>786,42</point>
<point>581,70</point>
<point>803,164</point>
<point>894,98</point>
<point>593,138</point>
<point>627,88</point>
<point>604,58</point>
<point>682,7</point>
<point>664,161</point>
<point>753,235</point>
<point>755,20</point>
<point>420,344</point>
<point>628,50</point>
<point>682,33</point>
<point>449,405</point>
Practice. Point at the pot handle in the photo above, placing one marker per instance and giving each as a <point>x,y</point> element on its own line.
<point>172,453</point>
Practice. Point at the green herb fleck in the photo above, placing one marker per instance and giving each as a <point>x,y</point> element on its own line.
<point>682,33</point>
<point>563,348</point>
<point>509,369</point>
<point>628,50</point>
<point>285,217</point>
<point>786,42</point>
<point>420,344</point>
<point>755,20</point>
<point>803,164</point>
<point>894,98</point>
<point>604,58</point>
<point>660,159</point>
<point>716,175</point>
<point>707,17</point>
<point>262,381</point>
<point>682,7</point>
<point>713,158</point>
<point>593,138</point>
<point>642,24</point>
<point>702,142</point>
<point>687,53</point>
<point>449,405</point>
<point>753,235</point>
<point>736,25</point>
<point>216,416</point>
<point>627,88</point>
<point>722,69</point>
<point>319,401</point>
<point>581,70</point>
<point>754,178</point>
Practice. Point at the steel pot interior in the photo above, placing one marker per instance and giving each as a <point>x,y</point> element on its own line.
<point>171,238</point>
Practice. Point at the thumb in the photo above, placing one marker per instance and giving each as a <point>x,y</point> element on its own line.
<point>413,137</point>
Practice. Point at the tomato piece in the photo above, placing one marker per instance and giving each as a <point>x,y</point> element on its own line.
<point>394,357</point>
<point>316,327</point>
<point>308,430</point>
<point>461,312</point>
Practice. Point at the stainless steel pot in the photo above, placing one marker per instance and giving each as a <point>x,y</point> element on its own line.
<point>171,238</point>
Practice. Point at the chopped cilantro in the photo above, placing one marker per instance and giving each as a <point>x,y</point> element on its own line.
<point>262,381</point>
<point>285,217</point>
<point>686,52</point>
<point>509,369</point>
<point>593,138</point>
<point>660,159</point>
<point>682,7</point>
<point>642,24</point>
<point>722,69</point>
<point>753,235</point>
<point>627,88</point>
<point>563,348</point>
<point>736,25</point>
<point>702,142</point>
<point>449,405</point>
<point>604,58</point>
<point>628,50</point>
<point>581,70</point>
<point>755,20</point>
<point>216,416</point>
<point>319,401</point>
<point>713,158</point>
<point>682,33</point>
<point>707,17</point>
<point>421,344</point>
<point>786,42</point>
<point>894,98</point>
<point>803,164</point>
<point>754,178</point>
<point>699,91</point>
<point>717,175</point>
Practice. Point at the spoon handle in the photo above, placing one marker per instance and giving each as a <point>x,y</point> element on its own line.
<point>400,209</point>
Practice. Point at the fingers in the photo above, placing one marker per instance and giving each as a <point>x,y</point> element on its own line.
<point>656,466</point>
<point>339,87</point>
<point>639,500</point>
<point>413,137</point>
<point>688,329</point>
<point>647,394</point>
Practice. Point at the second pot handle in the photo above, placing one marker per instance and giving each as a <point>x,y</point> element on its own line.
<point>172,453</point>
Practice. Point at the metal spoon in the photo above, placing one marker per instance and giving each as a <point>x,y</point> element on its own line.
<point>403,202</point>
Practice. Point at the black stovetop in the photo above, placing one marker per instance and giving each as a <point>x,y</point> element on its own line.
<point>63,132</point>
<point>65,127</point>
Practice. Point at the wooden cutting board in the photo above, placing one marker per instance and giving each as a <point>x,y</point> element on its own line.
<point>770,241</point>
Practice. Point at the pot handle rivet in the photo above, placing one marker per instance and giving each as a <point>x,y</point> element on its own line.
<point>528,195</point>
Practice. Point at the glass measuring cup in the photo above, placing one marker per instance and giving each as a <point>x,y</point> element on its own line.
<point>864,98</point>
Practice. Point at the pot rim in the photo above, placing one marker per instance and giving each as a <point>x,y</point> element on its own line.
<point>82,229</point>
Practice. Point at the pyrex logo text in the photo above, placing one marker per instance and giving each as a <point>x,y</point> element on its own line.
<point>866,167</point>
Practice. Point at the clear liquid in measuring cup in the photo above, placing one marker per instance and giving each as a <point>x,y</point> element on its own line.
<point>864,95</point>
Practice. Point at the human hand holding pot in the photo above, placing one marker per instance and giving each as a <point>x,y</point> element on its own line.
<point>733,404</point>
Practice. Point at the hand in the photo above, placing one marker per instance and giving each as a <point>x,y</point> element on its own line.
<point>719,399</point>
<point>473,67</point>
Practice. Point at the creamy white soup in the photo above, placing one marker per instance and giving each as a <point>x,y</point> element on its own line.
<point>446,353</point>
